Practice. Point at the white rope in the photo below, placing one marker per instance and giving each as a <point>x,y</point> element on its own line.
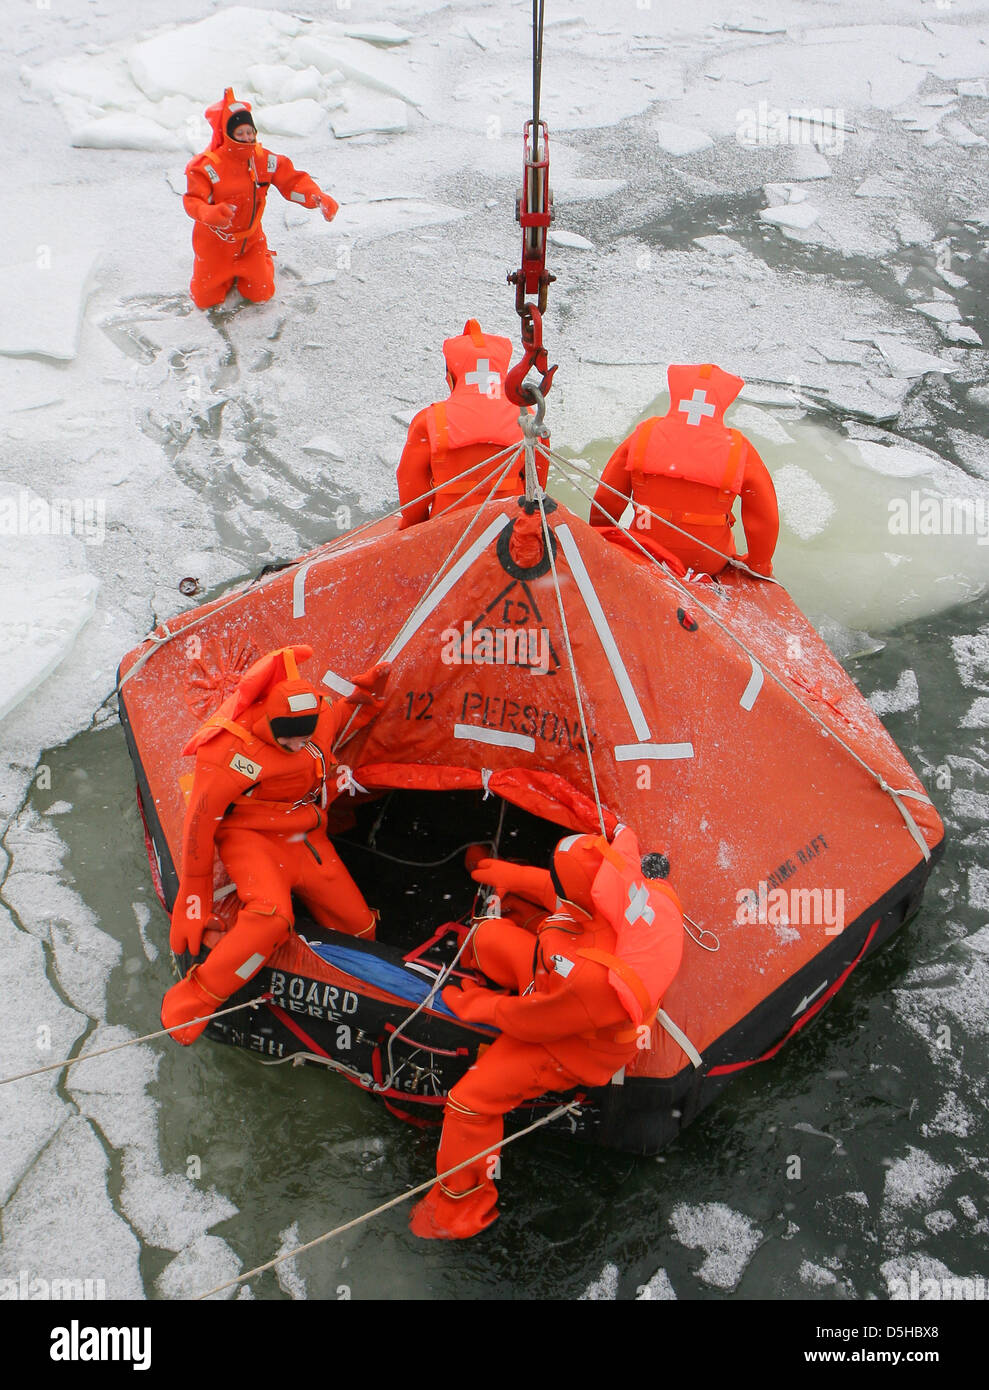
<point>395,1202</point>
<point>133,1042</point>
<point>547,542</point>
<point>908,819</point>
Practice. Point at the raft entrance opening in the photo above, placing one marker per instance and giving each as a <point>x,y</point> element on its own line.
<point>392,853</point>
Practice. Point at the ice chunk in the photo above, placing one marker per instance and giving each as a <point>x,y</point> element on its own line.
<point>270,79</point>
<point>365,221</point>
<point>290,1281</point>
<point>760,423</point>
<point>894,460</point>
<point>876,187</point>
<point>913,1179</point>
<point>659,1287</point>
<point>972,89</point>
<point>205,1264</point>
<point>817,1276</point>
<point>797,215</point>
<point>60,1223</point>
<point>291,117</point>
<point>906,361</point>
<point>381,71</point>
<point>960,333</point>
<point>805,162</point>
<point>382,32</point>
<point>680,140</point>
<point>43,305</point>
<point>39,619</point>
<point>604,1287</point>
<point>578,243</point>
<point>804,504</point>
<point>306,83</point>
<point>719,245</point>
<point>942,311</point>
<point>366,115</point>
<point>199,60</point>
<point>125,132</point>
<point>905,695</point>
<point>728,1239</point>
<point>962,134</point>
<point>324,447</point>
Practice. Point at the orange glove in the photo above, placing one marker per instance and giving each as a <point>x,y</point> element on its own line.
<point>329,206</point>
<point>193,907</point>
<point>524,880</point>
<point>220,216</point>
<point>473,1003</point>
<point>371,684</point>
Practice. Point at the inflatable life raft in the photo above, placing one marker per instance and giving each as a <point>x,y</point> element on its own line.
<point>715,721</point>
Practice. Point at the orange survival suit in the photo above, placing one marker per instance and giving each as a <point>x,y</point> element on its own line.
<point>262,807</point>
<point>584,994</point>
<point>688,468</point>
<point>226,188</point>
<point>459,435</point>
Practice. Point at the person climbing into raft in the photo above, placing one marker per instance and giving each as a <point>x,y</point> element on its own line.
<point>604,942</point>
<point>687,467</point>
<point>459,435</point>
<point>226,188</point>
<point>259,798</point>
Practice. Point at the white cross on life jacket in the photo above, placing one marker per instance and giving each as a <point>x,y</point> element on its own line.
<point>696,408</point>
<point>487,382</point>
<point>638,905</point>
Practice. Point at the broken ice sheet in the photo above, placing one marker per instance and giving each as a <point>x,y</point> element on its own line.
<point>728,1239</point>
<point>44,302</point>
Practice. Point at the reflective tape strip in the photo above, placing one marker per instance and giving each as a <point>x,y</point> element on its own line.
<point>252,964</point>
<point>619,1078</point>
<point>478,735</point>
<point>334,682</point>
<point>628,752</point>
<point>297,197</point>
<point>272,163</point>
<point>614,657</point>
<point>297,703</point>
<point>680,1038</point>
<point>433,599</point>
<point>299,590</point>
<point>751,692</point>
<point>211,173</point>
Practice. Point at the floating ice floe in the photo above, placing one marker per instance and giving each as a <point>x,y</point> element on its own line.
<point>805,162</point>
<point>125,132</point>
<point>571,240</point>
<point>199,60</point>
<point>44,303</point>
<point>604,1287</point>
<point>204,1265</point>
<point>659,1288</point>
<point>906,361</point>
<point>301,117</point>
<point>798,216</point>
<point>728,1239</point>
<point>365,115</point>
<point>904,696</point>
<point>962,134</point>
<point>942,311</point>
<point>805,506</point>
<point>680,140</point>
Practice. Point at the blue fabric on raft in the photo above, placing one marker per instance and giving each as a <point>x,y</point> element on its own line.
<point>383,974</point>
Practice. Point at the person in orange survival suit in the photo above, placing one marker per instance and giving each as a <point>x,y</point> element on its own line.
<point>688,468</point>
<point>607,944</point>
<point>226,188</point>
<point>459,435</point>
<point>259,798</point>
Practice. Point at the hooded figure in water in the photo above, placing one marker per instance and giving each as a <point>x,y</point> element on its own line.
<point>226,187</point>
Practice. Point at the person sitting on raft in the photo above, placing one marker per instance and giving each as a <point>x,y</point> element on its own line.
<point>687,468</point>
<point>259,798</point>
<point>608,939</point>
<point>460,435</point>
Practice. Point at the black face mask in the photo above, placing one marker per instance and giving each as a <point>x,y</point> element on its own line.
<point>294,725</point>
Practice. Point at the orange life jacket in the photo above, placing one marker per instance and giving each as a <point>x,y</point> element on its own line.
<point>477,411</point>
<point>692,443</point>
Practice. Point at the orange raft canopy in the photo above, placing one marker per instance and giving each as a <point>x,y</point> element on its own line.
<point>711,719</point>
